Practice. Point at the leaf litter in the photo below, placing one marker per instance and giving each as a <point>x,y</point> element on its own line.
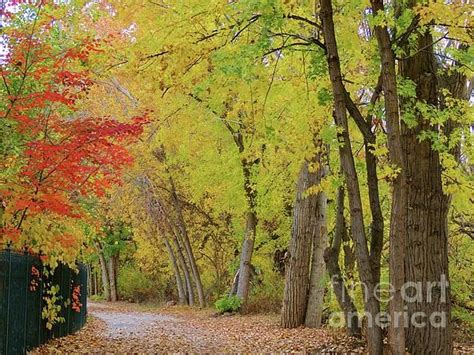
<point>134,329</point>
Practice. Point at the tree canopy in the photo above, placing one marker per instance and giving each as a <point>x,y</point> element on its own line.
<point>266,154</point>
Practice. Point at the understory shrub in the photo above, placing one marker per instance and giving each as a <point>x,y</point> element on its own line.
<point>134,285</point>
<point>228,304</point>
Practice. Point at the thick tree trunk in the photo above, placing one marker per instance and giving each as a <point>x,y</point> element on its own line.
<point>317,284</point>
<point>112,268</point>
<point>371,303</point>
<point>187,246</point>
<point>105,273</point>
<point>177,275</point>
<point>303,232</point>
<point>426,252</point>
<point>331,257</point>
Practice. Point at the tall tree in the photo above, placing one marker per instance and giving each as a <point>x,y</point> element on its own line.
<point>426,251</point>
<point>371,303</point>
<point>399,196</point>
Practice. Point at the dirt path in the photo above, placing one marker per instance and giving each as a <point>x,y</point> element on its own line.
<point>130,324</point>
<point>127,328</point>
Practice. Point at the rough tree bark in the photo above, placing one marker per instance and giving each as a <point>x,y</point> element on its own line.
<point>317,285</point>
<point>371,303</point>
<point>426,252</point>
<point>331,257</point>
<point>303,232</point>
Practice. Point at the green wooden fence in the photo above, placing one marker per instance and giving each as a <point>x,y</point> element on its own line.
<point>23,287</point>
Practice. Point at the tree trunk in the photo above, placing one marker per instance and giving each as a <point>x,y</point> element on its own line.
<point>331,257</point>
<point>96,287</point>
<point>235,283</point>
<point>245,266</point>
<point>89,279</point>
<point>105,273</point>
<point>317,284</point>
<point>456,83</point>
<point>399,211</point>
<point>113,278</point>
<point>303,233</point>
<point>377,224</point>
<point>164,225</point>
<point>177,275</point>
<point>184,267</point>
<point>426,252</point>
<point>187,245</point>
<point>371,303</point>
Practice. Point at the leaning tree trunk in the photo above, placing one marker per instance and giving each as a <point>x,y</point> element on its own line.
<point>184,267</point>
<point>371,303</point>
<point>187,245</point>
<point>426,253</point>
<point>177,275</point>
<point>303,232</point>
<point>331,257</point>
<point>317,284</point>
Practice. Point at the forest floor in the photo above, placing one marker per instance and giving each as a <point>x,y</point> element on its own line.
<point>131,328</point>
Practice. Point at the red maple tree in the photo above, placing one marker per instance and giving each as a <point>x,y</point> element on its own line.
<point>66,152</point>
